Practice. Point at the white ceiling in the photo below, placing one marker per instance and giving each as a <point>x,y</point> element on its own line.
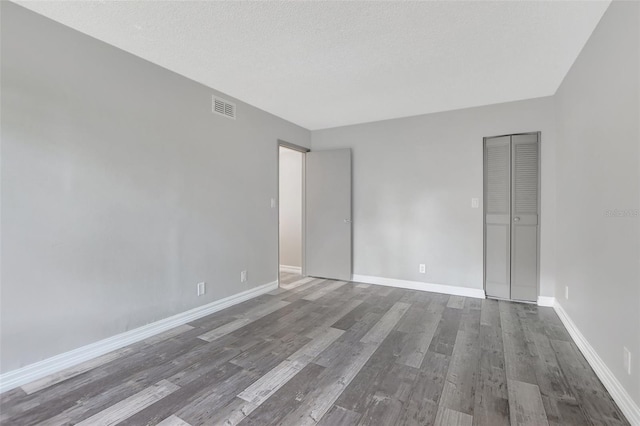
<point>328,64</point>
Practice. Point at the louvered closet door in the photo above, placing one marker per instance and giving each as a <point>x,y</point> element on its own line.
<point>524,217</point>
<point>497,178</point>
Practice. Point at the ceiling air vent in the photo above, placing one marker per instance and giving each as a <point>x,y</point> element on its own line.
<point>224,107</point>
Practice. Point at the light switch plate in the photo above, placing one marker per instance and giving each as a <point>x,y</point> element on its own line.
<point>475,203</point>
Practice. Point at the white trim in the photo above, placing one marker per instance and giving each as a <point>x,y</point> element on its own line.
<point>608,379</point>
<point>291,269</point>
<point>40,369</point>
<point>547,301</point>
<point>418,285</point>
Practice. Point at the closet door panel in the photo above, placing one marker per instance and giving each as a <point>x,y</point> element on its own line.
<point>524,217</point>
<point>497,154</point>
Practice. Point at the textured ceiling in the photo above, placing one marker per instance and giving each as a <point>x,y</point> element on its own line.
<point>327,64</point>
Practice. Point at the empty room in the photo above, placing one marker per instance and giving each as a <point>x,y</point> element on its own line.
<point>320,213</point>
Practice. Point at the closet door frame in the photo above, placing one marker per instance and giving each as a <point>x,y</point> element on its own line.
<point>484,210</point>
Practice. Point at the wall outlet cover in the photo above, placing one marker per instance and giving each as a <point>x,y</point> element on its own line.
<point>627,360</point>
<point>243,276</point>
<point>423,268</point>
<point>201,287</point>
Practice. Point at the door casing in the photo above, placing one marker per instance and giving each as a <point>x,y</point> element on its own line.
<point>303,150</point>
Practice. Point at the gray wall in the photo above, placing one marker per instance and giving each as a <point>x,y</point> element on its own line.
<point>413,180</point>
<point>598,157</point>
<point>290,205</point>
<point>121,191</point>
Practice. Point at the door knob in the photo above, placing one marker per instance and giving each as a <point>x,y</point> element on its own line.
<point>516,219</point>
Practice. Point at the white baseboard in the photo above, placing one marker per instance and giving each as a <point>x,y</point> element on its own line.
<point>291,269</point>
<point>615,388</point>
<point>40,369</point>
<point>417,285</point>
<point>547,301</point>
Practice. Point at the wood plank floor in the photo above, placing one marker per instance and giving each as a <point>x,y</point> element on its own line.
<point>334,353</point>
<point>288,277</point>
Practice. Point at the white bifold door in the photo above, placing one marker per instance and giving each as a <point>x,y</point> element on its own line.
<point>328,214</point>
<point>511,187</point>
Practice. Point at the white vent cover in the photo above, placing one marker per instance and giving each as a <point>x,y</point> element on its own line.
<point>224,107</point>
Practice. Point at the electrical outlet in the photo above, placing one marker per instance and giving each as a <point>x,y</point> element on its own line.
<point>201,288</point>
<point>423,268</point>
<point>243,276</point>
<point>627,360</point>
<point>566,292</point>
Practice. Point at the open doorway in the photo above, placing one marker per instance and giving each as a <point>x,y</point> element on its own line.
<point>314,215</point>
<point>290,212</point>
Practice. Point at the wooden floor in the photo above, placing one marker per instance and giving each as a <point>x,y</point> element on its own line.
<point>288,277</point>
<point>334,353</point>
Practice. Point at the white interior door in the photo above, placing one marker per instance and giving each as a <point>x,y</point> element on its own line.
<point>328,214</point>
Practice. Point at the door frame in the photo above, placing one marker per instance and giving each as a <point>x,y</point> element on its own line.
<point>484,211</point>
<point>284,144</point>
